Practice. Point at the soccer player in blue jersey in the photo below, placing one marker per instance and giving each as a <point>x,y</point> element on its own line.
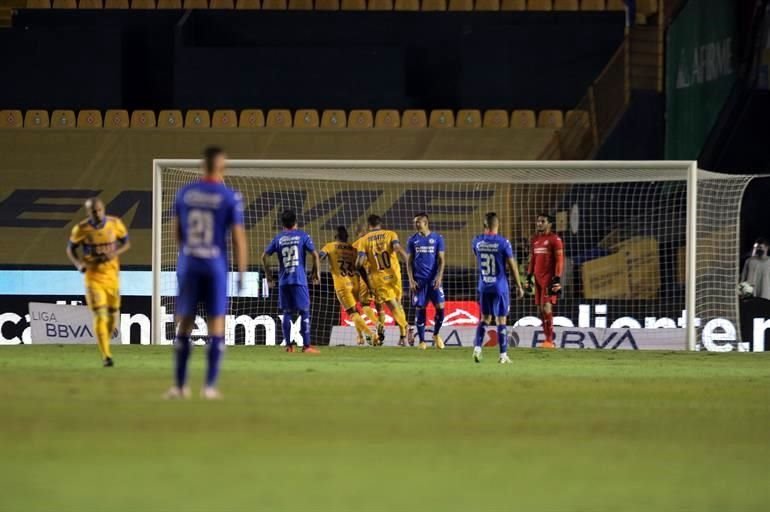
<point>493,251</point>
<point>425,256</point>
<point>293,295</point>
<point>205,211</point>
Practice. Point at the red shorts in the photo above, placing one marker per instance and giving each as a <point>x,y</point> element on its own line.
<point>542,293</point>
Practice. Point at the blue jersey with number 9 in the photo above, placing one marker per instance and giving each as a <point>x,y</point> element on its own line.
<point>492,252</point>
<point>291,246</point>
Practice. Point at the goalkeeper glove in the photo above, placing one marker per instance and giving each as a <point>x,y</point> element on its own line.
<point>555,287</point>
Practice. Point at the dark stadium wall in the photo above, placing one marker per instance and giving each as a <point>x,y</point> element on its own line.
<point>273,59</point>
<point>639,135</point>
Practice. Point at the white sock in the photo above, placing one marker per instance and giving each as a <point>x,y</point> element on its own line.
<point>476,349</point>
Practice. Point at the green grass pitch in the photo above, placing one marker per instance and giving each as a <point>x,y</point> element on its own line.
<point>386,430</point>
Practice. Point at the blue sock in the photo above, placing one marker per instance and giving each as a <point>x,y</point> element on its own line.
<point>438,320</point>
<point>480,331</point>
<point>419,322</point>
<point>286,327</point>
<point>502,338</point>
<point>304,327</point>
<point>216,351</point>
<point>182,349</point>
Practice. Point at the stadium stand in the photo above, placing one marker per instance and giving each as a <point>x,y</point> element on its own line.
<point>142,4</point>
<point>247,4</point>
<point>64,4</point>
<point>300,5</point>
<point>11,119</point>
<point>224,119</point>
<point>380,5</point>
<point>433,5</point>
<point>89,119</point>
<point>90,4</point>
<point>644,7</point>
<point>360,119</point>
<point>353,5</point>
<point>523,119</point>
<point>124,4</point>
<point>63,119</point>
<point>251,118</point>
<point>306,118</point>
<point>170,119</point>
<point>460,5</point>
<point>197,119</point>
<point>274,5</point>
<point>279,118</point>
<point>592,5</point>
<point>468,119</point>
<point>550,119</point>
<point>36,119</point>
<point>414,119</point>
<point>142,119</point>
<point>334,119</point>
<point>387,118</point>
<point>442,119</point>
<point>327,5</point>
<point>116,119</point>
<point>565,5</point>
<point>407,5</point>
<point>540,5</point>
<point>487,5</point>
<point>495,118</point>
<point>513,5</point>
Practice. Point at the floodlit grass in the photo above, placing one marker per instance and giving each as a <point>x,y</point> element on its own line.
<point>386,429</point>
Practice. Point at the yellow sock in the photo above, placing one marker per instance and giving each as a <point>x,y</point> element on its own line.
<point>111,324</point>
<point>370,314</point>
<point>360,324</point>
<point>381,316</point>
<point>101,321</point>
<point>400,317</point>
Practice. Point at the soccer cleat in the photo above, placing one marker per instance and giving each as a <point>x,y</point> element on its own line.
<point>368,339</point>
<point>504,359</point>
<point>360,341</point>
<point>548,344</point>
<point>108,362</point>
<point>402,341</point>
<point>209,393</point>
<point>422,345</point>
<point>380,334</point>
<point>477,354</point>
<point>438,342</point>
<point>290,347</point>
<point>175,393</point>
<point>310,350</point>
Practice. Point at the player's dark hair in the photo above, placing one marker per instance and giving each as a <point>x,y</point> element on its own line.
<point>288,219</point>
<point>761,240</point>
<point>342,233</point>
<point>421,215</point>
<point>489,219</point>
<point>374,221</point>
<point>547,216</point>
<point>209,155</point>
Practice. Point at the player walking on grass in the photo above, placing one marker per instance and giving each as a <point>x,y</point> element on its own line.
<point>347,282</point>
<point>493,251</point>
<point>205,211</point>
<point>375,315</point>
<point>546,264</point>
<point>103,239</point>
<point>425,256</point>
<point>293,295</point>
<point>378,252</point>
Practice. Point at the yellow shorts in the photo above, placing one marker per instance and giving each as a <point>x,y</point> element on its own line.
<point>364,295</point>
<point>103,295</point>
<point>346,294</point>
<point>387,291</point>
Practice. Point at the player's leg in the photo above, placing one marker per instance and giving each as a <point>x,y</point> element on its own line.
<point>502,338</point>
<point>96,297</point>
<point>438,300</point>
<point>486,303</point>
<point>216,307</point>
<point>286,305</point>
<point>302,303</point>
<point>419,301</point>
<point>186,304</point>
<point>347,297</point>
<point>388,295</point>
<point>547,317</point>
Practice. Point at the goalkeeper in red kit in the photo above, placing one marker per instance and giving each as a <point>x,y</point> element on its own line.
<point>546,265</point>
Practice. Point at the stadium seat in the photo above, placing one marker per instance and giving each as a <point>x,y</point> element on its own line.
<point>224,119</point>
<point>565,5</point>
<point>495,118</point>
<point>89,119</point>
<point>64,4</point>
<point>414,119</point>
<point>306,118</point>
<point>38,4</point>
<point>353,5</point>
<point>460,5</point>
<point>442,119</point>
<point>197,119</point>
<point>407,5</point>
<point>468,119</point>
<point>120,4</point>
<point>487,5</point>
<point>143,4</point>
<point>380,5</point>
<point>36,119</point>
<point>327,5</point>
<point>523,119</point>
<point>143,119</point>
<point>247,4</point>
<point>387,118</point>
<point>333,119</point>
<point>11,119</point>
<point>616,5</point>
<point>360,119</point>
<point>196,4</point>
<point>592,5</point>
<point>170,119</point>
<point>251,118</point>
<point>90,4</point>
<point>431,5</point>
<point>169,4</point>
<point>222,4</point>
<point>274,5</point>
<point>513,5</point>
<point>300,5</point>
<point>577,117</point>
<point>646,7</point>
<point>278,118</point>
<point>550,119</point>
<point>540,5</point>
<point>62,119</point>
<point>116,119</point>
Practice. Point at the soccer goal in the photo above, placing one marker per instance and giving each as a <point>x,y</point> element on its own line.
<point>651,247</point>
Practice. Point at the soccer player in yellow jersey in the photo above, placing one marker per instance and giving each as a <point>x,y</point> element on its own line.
<point>347,281</point>
<point>366,296</point>
<point>102,239</point>
<point>378,252</point>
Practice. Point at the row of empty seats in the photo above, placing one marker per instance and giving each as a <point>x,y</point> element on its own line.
<point>345,5</point>
<point>279,118</point>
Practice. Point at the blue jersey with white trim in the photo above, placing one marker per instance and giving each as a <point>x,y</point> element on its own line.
<point>492,252</point>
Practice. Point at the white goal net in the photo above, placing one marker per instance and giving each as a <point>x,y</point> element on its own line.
<point>643,241</point>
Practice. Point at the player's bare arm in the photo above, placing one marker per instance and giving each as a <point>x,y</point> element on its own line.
<point>361,267</point>
<point>440,272</point>
<point>266,268</point>
<point>316,271</point>
<point>75,258</point>
<point>409,263</point>
<point>404,256</point>
<point>515,271</point>
<point>238,235</point>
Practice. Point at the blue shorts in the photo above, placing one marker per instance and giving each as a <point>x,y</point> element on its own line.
<point>294,297</point>
<point>208,286</point>
<point>427,293</point>
<point>494,303</point>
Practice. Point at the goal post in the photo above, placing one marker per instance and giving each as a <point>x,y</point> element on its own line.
<point>632,232</point>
